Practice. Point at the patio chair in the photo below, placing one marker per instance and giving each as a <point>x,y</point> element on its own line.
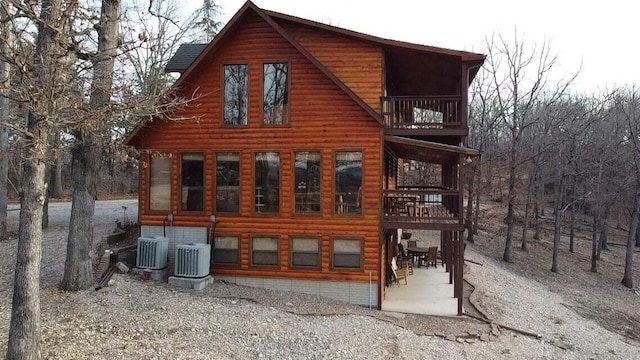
<point>404,258</point>
<point>432,256</point>
<point>399,273</point>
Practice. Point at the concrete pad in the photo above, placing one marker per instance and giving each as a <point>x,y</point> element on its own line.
<point>428,292</point>
<point>190,283</point>
<point>149,274</point>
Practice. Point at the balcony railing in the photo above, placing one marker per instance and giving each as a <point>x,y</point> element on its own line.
<point>424,205</point>
<point>424,112</point>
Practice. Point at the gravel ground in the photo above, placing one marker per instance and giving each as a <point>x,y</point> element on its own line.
<point>149,320</point>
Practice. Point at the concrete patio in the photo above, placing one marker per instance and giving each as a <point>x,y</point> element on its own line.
<point>428,292</point>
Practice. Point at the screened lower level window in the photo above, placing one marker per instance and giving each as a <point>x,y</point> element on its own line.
<point>305,252</point>
<point>264,250</point>
<point>347,253</point>
<point>226,250</point>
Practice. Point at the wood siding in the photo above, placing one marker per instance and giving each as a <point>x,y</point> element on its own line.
<point>358,64</point>
<point>322,118</point>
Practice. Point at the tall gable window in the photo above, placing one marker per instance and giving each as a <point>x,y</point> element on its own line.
<point>276,94</point>
<point>160,182</point>
<point>267,185</point>
<point>235,94</point>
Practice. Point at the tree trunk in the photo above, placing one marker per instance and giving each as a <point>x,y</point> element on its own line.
<point>478,190</point>
<point>5,73</point>
<point>24,330</point>
<point>511,203</point>
<point>45,208</point>
<point>78,273</point>
<point>594,245</point>
<point>469,217</point>
<point>527,203</point>
<point>572,227</point>
<point>627,279</point>
<point>56,190</point>
<point>638,236</point>
<point>602,242</point>
<point>557,224</point>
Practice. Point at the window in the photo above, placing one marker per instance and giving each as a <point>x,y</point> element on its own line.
<point>347,254</point>
<point>192,167</point>
<point>264,251</point>
<point>305,252</point>
<point>228,182</point>
<point>276,95</point>
<point>307,182</point>
<point>160,182</point>
<point>225,250</point>
<point>235,94</point>
<point>348,197</point>
<point>267,186</point>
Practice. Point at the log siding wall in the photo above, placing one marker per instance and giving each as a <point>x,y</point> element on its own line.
<point>359,65</point>
<point>322,118</point>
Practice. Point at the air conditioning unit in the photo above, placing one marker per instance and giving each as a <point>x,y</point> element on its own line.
<point>192,260</point>
<point>152,252</point>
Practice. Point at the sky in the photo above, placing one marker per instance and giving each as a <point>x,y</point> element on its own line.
<point>600,36</point>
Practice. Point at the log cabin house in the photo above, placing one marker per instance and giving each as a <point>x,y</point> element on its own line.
<point>295,145</point>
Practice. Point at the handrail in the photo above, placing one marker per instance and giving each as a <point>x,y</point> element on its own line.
<point>422,112</point>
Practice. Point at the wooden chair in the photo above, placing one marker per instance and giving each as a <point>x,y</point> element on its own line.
<point>400,272</point>
<point>432,256</point>
<point>404,258</point>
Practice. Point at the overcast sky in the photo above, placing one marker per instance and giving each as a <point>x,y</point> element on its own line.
<point>602,35</point>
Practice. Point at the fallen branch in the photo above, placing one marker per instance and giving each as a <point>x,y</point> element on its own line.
<point>489,321</point>
<point>473,262</point>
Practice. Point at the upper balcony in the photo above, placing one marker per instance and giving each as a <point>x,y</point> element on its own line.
<point>424,115</point>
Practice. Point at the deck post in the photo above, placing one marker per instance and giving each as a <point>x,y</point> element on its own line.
<point>460,272</point>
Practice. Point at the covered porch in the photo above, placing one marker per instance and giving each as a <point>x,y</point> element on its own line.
<point>427,292</point>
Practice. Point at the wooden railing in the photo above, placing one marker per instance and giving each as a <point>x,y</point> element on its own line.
<point>427,205</point>
<point>422,112</point>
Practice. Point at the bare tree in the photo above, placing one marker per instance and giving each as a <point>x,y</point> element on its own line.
<point>87,152</point>
<point>521,78</point>
<point>5,81</point>
<point>24,331</point>
<point>629,106</point>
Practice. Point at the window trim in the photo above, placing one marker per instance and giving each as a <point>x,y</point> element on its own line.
<point>278,240</point>
<point>204,182</point>
<point>293,185</point>
<point>301,267</point>
<point>253,184</point>
<point>288,106</point>
<point>235,126</point>
<point>333,184</point>
<point>215,183</point>
<point>147,158</point>
<point>229,265</point>
<point>358,238</point>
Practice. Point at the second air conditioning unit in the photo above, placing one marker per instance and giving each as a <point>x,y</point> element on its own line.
<point>192,260</point>
<point>152,252</point>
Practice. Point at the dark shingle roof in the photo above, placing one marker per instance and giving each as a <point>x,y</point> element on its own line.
<point>185,55</point>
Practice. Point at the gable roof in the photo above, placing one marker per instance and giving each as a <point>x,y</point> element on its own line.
<point>184,56</point>
<point>385,43</point>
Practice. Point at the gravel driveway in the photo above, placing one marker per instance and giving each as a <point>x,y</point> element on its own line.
<point>146,320</point>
